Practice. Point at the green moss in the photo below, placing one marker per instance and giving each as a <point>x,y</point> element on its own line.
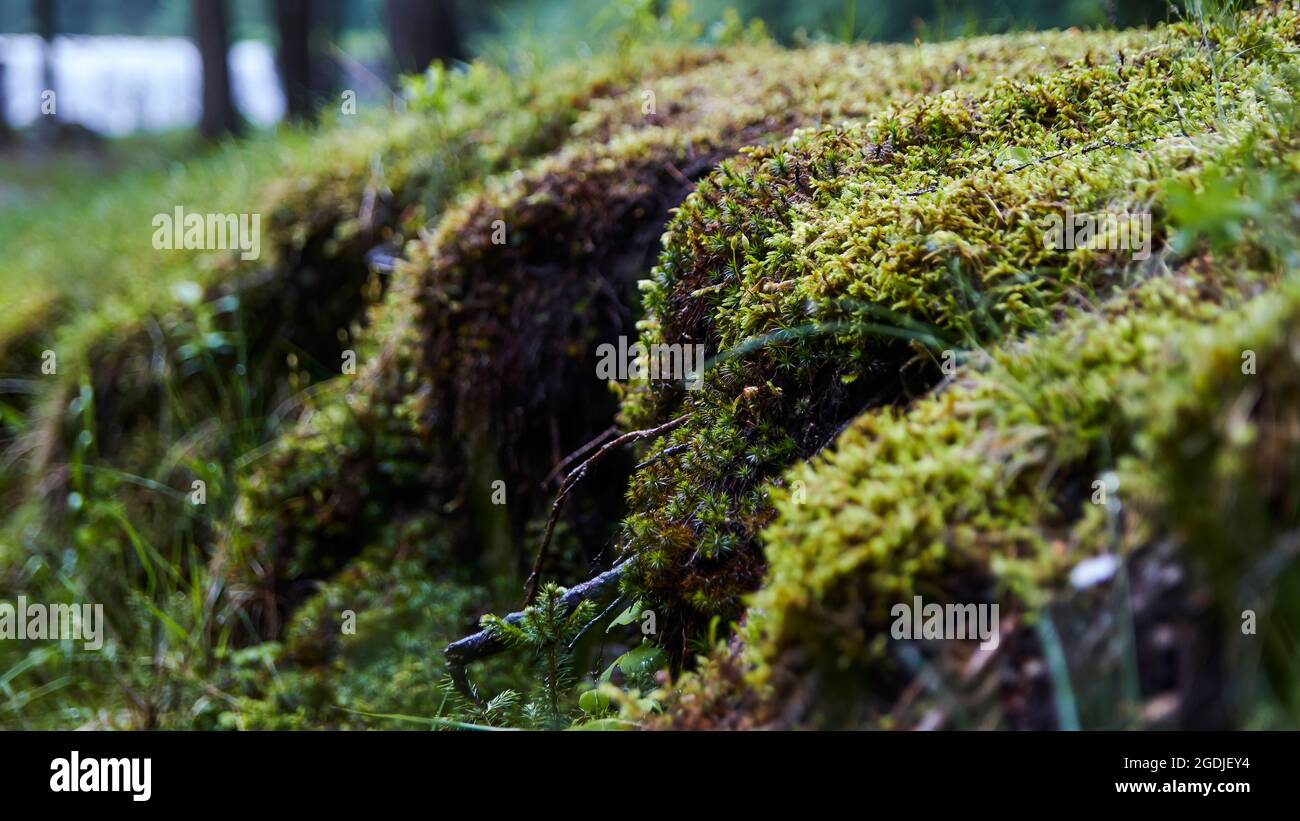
<point>828,274</point>
<point>839,220</point>
<point>183,366</point>
<point>528,314</point>
<point>987,485</point>
<point>814,247</point>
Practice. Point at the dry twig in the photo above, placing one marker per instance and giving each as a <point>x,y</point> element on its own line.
<point>534,576</point>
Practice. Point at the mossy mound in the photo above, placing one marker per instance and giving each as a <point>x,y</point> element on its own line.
<point>190,372</point>
<point>908,392</point>
<point>983,490</point>
<point>828,274</point>
<point>484,370</point>
<point>477,369</point>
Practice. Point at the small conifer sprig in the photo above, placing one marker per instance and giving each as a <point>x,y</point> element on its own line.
<point>548,630</point>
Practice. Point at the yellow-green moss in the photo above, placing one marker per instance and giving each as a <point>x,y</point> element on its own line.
<point>482,346</point>
<point>828,274</point>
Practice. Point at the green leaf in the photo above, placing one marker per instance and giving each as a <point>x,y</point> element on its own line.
<point>641,661</point>
<point>594,702</point>
<point>1015,156</point>
<point>628,616</point>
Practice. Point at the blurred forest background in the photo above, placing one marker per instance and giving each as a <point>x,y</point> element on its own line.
<point>131,66</point>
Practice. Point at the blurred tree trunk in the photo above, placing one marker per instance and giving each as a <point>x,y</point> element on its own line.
<point>44,13</point>
<point>212,36</point>
<point>308,31</point>
<point>325,74</point>
<point>422,31</point>
<point>6,134</point>
<point>293,23</point>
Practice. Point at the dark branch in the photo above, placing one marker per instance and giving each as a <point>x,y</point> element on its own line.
<point>530,587</point>
<point>484,644</point>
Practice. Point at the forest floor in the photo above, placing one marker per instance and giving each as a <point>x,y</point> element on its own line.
<point>996,425</point>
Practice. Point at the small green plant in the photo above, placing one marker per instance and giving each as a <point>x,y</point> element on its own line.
<point>549,631</point>
<point>1225,210</point>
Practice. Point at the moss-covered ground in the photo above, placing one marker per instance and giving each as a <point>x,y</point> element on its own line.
<point>907,392</point>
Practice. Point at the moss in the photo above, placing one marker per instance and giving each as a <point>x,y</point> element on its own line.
<point>502,383</point>
<point>1216,470</point>
<point>984,489</point>
<point>190,377</point>
<point>359,649</point>
<point>219,345</point>
<point>980,491</point>
<point>827,274</point>
<point>816,247</point>
<point>838,221</point>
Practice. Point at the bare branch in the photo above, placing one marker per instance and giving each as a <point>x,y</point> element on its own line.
<point>579,453</point>
<point>530,587</point>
